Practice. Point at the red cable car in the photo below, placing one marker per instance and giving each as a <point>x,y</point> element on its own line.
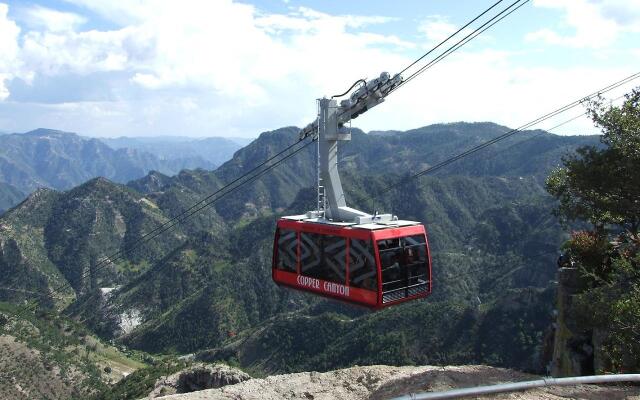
<point>369,265</point>
<point>339,252</point>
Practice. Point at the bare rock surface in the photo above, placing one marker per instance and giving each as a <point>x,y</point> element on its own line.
<point>196,378</point>
<point>385,382</point>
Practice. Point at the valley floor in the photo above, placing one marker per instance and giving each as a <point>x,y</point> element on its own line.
<point>384,382</point>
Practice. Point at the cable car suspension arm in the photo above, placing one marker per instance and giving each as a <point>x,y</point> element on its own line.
<point>328,128</point>
<point>364,98</point>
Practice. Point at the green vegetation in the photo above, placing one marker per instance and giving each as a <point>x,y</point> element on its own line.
<point>55,357</point>
<point>9,196</point>
<point>601,186</point>
<point>205,287</point>
<point>504,333</point>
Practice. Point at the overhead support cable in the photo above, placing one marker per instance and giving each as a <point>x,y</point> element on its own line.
<point>252,179</point>
<point>379,89</point>
<point>231,187</point>
<point>248,177</point>
<point>203,204</point>
<point>547,130</point>
<point>451,36</point>
<point>510,133</point>
<point>469,37</point>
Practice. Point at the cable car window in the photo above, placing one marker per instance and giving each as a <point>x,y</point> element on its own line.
<point>391,264</point>
<point>362,265</point>
<point>415,251</point>
<point>287,250</point>
<point>323,257</point>
<point>403,264</point>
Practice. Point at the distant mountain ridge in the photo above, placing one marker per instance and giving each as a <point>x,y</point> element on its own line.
<point>61,160</point>
<point>206,153</point>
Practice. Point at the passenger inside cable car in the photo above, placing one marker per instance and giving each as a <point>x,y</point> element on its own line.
<point>402,263</point>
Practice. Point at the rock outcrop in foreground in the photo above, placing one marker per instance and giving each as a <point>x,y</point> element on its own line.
<point>384,382</point>
<point>197,378</point>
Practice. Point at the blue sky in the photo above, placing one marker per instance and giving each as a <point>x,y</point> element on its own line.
<point>224,68</point>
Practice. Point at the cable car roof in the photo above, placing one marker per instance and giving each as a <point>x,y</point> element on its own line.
<point>369,226</point>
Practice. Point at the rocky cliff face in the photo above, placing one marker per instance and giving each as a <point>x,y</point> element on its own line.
<point>385,382</point>
<point>573,347</point>
<point>577,346</point>
<point>196,378</point>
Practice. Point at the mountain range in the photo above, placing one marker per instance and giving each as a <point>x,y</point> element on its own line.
<point>184,153</point>
<point>61,160</point>
<point>205,287</point>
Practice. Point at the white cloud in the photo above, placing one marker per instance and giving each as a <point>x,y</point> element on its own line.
<point>224,51</point>
<point>228,47</point>
<point>231,48</point>
<point>206,67</point>
<point>436,28</point>
<point>9,49</point>
<point>52,20</point>
<point>625,13</point>
<point>52,53</point>
<point>495,89</point>
<point>9,32</point>
<point>593,23</point>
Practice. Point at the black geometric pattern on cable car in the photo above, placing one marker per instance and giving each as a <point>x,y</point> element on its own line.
<point>326,252</point>
<point>361,257</point>
<point>288,249</point>
<point>309,252</point>
<point>335,255</point>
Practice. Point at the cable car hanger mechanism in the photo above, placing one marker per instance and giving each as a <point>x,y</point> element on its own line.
<point>329,128</point>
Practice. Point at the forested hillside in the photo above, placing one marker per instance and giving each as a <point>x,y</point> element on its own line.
<point>205,286</point>
<point>9,196</point>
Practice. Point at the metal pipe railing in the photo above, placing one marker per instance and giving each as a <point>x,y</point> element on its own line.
<point>518,386</point>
